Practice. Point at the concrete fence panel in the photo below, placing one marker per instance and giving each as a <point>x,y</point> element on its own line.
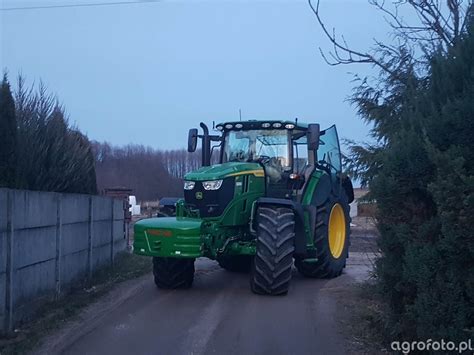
<point>3,255</point>
<point>48,241</point>
<point>75,222</point>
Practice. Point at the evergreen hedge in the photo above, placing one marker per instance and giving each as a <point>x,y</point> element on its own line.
<point>422,176</point>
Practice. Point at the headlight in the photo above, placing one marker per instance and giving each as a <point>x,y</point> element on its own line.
<point>189,185</point>
<point>212,185</point>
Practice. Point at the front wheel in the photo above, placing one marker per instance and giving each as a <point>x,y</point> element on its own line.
<point>173,273</point>
<point>271,269</point>
<point>331,239</point>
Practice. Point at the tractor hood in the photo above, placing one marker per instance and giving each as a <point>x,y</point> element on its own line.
<point>221,171</point>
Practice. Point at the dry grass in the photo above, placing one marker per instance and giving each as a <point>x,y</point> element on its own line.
<point>362,319</point>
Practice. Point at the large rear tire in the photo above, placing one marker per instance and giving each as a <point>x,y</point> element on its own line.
<point>172,273</point>
<point>235,263</point>
<point>271,269</point>
<point>331,239</point>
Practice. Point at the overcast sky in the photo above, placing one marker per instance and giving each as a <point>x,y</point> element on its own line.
<point>146,73</point>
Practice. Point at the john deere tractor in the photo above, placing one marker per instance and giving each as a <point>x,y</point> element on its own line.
<point>277,196</point>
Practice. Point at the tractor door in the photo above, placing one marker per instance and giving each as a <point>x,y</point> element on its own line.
<point>303,164</point>
<point>329,152</point>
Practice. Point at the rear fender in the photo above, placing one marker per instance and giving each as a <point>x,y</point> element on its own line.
<point>348,188</point>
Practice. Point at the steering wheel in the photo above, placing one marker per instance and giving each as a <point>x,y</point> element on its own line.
<point>264,159</point>
<point>238,156</point>
<point>326,166</point>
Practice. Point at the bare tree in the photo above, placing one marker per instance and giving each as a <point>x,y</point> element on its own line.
<point>439,26</point>
<point>151,173</point>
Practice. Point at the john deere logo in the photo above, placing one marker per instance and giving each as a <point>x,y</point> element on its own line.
<point>199,195</point>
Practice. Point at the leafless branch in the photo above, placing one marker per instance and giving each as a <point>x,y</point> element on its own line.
<point>352,56</point>
<point>440,23</point>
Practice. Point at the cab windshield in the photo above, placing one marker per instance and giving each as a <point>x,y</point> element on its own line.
<point>257,145</point>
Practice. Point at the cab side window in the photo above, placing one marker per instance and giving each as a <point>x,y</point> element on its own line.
<point>300,155</point>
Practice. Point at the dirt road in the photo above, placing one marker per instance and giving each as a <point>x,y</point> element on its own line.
<point>219,315</point>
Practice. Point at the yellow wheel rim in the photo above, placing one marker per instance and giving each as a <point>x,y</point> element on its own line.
<point>337,230</point>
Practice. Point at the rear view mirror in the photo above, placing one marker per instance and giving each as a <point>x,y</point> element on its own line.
<point>313,136</point>
<point>192,140</point>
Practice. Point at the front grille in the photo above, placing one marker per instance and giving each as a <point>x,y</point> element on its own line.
<point>213,202</point>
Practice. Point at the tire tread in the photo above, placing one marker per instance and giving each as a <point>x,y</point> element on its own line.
<point>271,272</point>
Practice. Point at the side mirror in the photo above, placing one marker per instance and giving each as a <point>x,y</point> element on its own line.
<point>313,136</point>
<point>192,140</point>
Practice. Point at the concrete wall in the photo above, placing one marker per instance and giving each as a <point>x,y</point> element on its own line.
<point>50,240</point>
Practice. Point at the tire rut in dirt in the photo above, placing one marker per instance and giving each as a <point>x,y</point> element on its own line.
<point>271,269</point>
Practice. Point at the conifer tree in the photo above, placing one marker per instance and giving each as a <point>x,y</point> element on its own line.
<point>8,136</point>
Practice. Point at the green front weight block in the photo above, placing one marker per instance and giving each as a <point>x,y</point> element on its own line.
<point>168,237</point>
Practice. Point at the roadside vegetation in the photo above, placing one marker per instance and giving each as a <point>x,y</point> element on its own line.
<point>54,315</point>
<point>40,150</point>
<point>420,167</point>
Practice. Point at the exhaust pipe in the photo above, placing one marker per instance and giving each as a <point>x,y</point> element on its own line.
<point>206,145</point>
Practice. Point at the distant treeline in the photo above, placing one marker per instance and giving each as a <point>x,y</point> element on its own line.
<point>149,172</point>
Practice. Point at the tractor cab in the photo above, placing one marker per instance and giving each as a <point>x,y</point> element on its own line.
<point>286,151</point>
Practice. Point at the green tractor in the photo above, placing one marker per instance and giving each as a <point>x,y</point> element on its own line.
<point>277,196</point>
